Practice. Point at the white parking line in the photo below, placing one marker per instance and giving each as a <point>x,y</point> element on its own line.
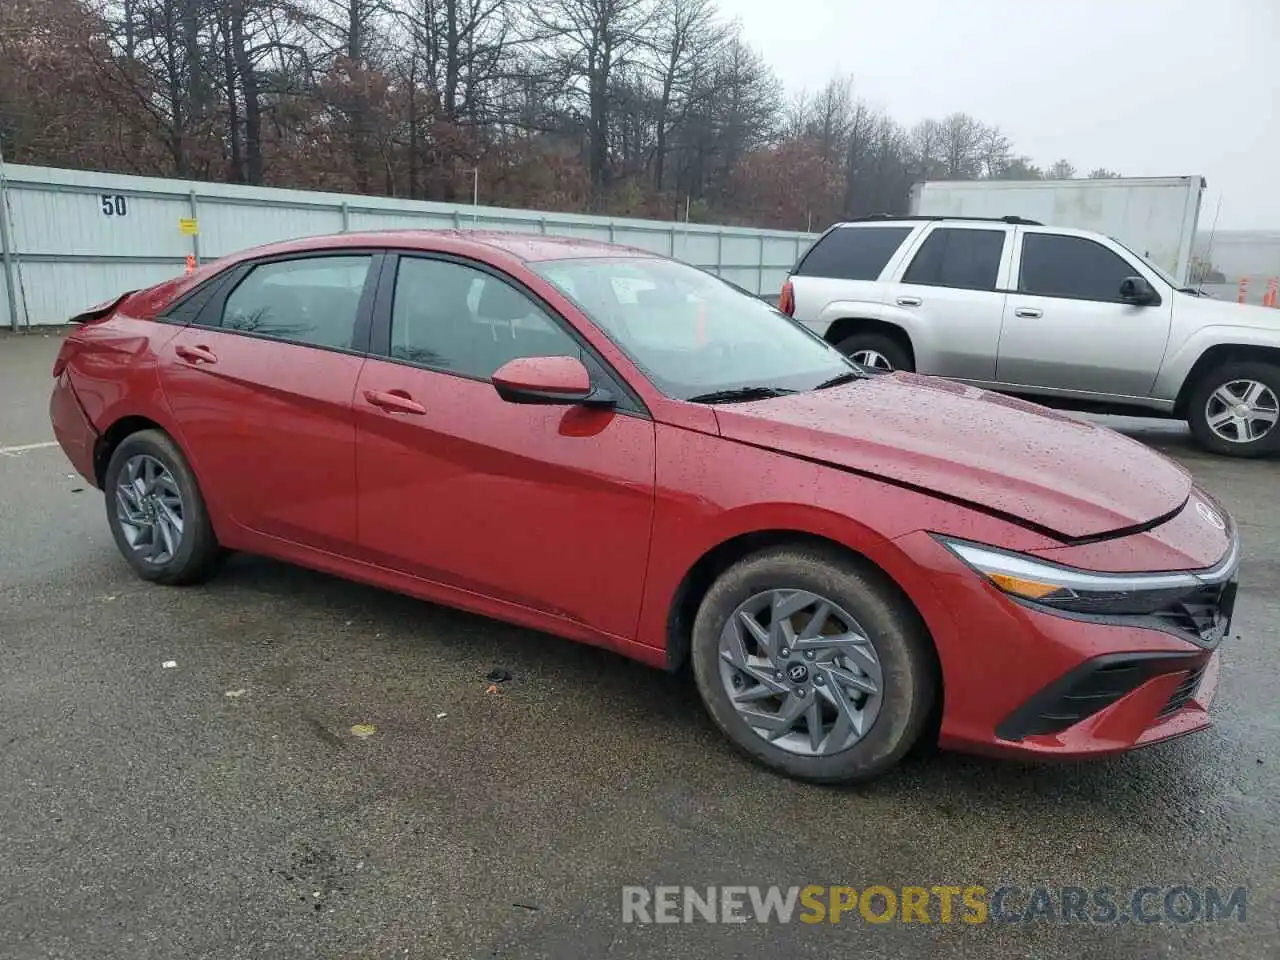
<point>23,448</point>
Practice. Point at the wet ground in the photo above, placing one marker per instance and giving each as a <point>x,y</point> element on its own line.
<point>222,807</point>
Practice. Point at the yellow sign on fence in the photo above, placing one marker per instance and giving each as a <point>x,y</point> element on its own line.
<point>189,227</point>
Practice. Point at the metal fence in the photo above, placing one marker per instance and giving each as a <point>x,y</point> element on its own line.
<point>76,238</point>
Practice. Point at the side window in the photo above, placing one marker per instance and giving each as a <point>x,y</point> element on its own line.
<point>1060,266</point>
<point>313,300</point>
<point>966,259</point>
<point>456,318</point>
<point>853,253</point>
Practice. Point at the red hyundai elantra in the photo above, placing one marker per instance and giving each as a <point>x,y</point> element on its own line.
<point>621,449</point>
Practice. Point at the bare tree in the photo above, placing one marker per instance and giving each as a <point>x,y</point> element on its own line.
<point>595,39</point>
<point>685,33</point>
<point>1062,170</point>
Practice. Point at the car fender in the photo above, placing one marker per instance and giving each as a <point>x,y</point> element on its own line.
<point>838,310</point>
<point>684,537</point>
<point>1182,360</point>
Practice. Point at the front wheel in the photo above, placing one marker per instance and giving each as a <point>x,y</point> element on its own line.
<point>156,512</point>
<point>813,664</point>
<point>1234,409</point>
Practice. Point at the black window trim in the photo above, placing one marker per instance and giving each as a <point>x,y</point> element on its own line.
<point>211,314</point>
<point>197,297</point>
<point>927,235</point>
<point>1137,272</point>
<point>629,402</point>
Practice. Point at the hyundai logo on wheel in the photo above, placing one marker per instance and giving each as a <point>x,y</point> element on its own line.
<point>798,673</point>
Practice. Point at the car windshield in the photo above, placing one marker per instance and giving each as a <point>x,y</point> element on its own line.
<point>695,336</point>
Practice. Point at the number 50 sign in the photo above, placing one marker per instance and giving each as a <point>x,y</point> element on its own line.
<point>114,205</point>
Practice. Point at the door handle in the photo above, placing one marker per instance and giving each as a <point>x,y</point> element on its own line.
<point>394,401</point>
<point>197,354</point>
<point>1028,313</point>
<point>909,301</point>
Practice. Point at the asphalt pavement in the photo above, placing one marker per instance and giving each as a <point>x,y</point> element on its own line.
<point>223,806</point>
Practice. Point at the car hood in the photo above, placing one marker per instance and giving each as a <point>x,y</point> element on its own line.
<point>1228,313</point>
<point>1033,465</point>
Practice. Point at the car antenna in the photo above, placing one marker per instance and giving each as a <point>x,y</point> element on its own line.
<point>1208,254</point>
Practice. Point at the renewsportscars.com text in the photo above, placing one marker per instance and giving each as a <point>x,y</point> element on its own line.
<point>972,904</point>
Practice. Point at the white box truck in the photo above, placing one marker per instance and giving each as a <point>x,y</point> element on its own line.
<point>1154,216</point>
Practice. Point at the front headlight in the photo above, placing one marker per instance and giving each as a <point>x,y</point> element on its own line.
<point>1082,591</point>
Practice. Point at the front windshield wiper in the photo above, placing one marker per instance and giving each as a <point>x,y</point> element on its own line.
<point>841,380</point>
<point>740,395</point>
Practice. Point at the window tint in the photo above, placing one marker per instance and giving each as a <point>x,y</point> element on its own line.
<point>313,301</point>
<point>968,259</point>
<point>456,318</point>
<point>1058,266</point>
<point>853,253</point>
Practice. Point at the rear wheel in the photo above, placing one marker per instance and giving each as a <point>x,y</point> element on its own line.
<point>156,512</point>
<point>1234,409</point>
<point>813,664</point>
<point>875,350</point>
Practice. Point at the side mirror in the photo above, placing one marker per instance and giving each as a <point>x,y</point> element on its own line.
<point>546,380</point>
<point>1138,291</point>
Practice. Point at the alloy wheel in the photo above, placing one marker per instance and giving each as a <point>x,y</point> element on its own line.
<point>801,672</point>
<point>1242,411</point>
<point>149,509</point>
<point>871,358</point>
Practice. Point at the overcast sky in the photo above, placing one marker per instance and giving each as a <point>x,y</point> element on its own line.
<point>1144,87</point>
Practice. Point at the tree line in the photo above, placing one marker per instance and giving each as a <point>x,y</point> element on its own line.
<point>653,108</point>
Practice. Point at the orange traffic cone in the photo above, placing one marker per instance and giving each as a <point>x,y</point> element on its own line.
<point>1244,290</point>
<point>1270,300</point>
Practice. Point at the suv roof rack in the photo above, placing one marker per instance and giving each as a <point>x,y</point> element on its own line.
<point>889,216</point>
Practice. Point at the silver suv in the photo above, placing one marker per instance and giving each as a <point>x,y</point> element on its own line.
<point>1065,317</point>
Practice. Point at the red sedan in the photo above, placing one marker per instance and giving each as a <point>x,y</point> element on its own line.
<point>621,449</point>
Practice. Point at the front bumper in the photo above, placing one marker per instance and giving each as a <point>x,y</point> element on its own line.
<point>1019,681</point>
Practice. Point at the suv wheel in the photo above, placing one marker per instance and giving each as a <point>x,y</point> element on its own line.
<point>875,350</point>
<point>1234,409</point>
<point>813,664</point>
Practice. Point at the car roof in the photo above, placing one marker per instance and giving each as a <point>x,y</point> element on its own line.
<point>530,247</point>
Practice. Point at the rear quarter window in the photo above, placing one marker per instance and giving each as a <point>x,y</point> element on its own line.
<point>853,253</point>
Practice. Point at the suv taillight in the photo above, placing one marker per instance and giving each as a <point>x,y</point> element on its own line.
<point>787,299</point>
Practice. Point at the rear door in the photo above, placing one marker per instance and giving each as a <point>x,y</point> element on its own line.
<point>547,507</point>
<point>950,298</point>
<point>261,385</point>
<point>845,266</point>
<point>1066,327</point>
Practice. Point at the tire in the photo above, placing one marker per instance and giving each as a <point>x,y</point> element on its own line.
<point>907,664</point>
<point>196,552</point>
<point>880,344</point>
<point>1230,377</point>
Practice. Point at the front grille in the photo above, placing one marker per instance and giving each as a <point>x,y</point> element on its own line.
<point>1204,614</point>
<point>1184,692</point>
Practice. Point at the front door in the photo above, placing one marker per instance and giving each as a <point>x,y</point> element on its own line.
<point>261,387</point>
<point>1066,327</point>
<point>548,507</point>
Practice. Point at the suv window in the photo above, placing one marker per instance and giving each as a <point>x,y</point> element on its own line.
<point>313,300</point>
<point>852,253</point>
<point>1075,267</point>
<point>453,317</point>
<point>950,257</point>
